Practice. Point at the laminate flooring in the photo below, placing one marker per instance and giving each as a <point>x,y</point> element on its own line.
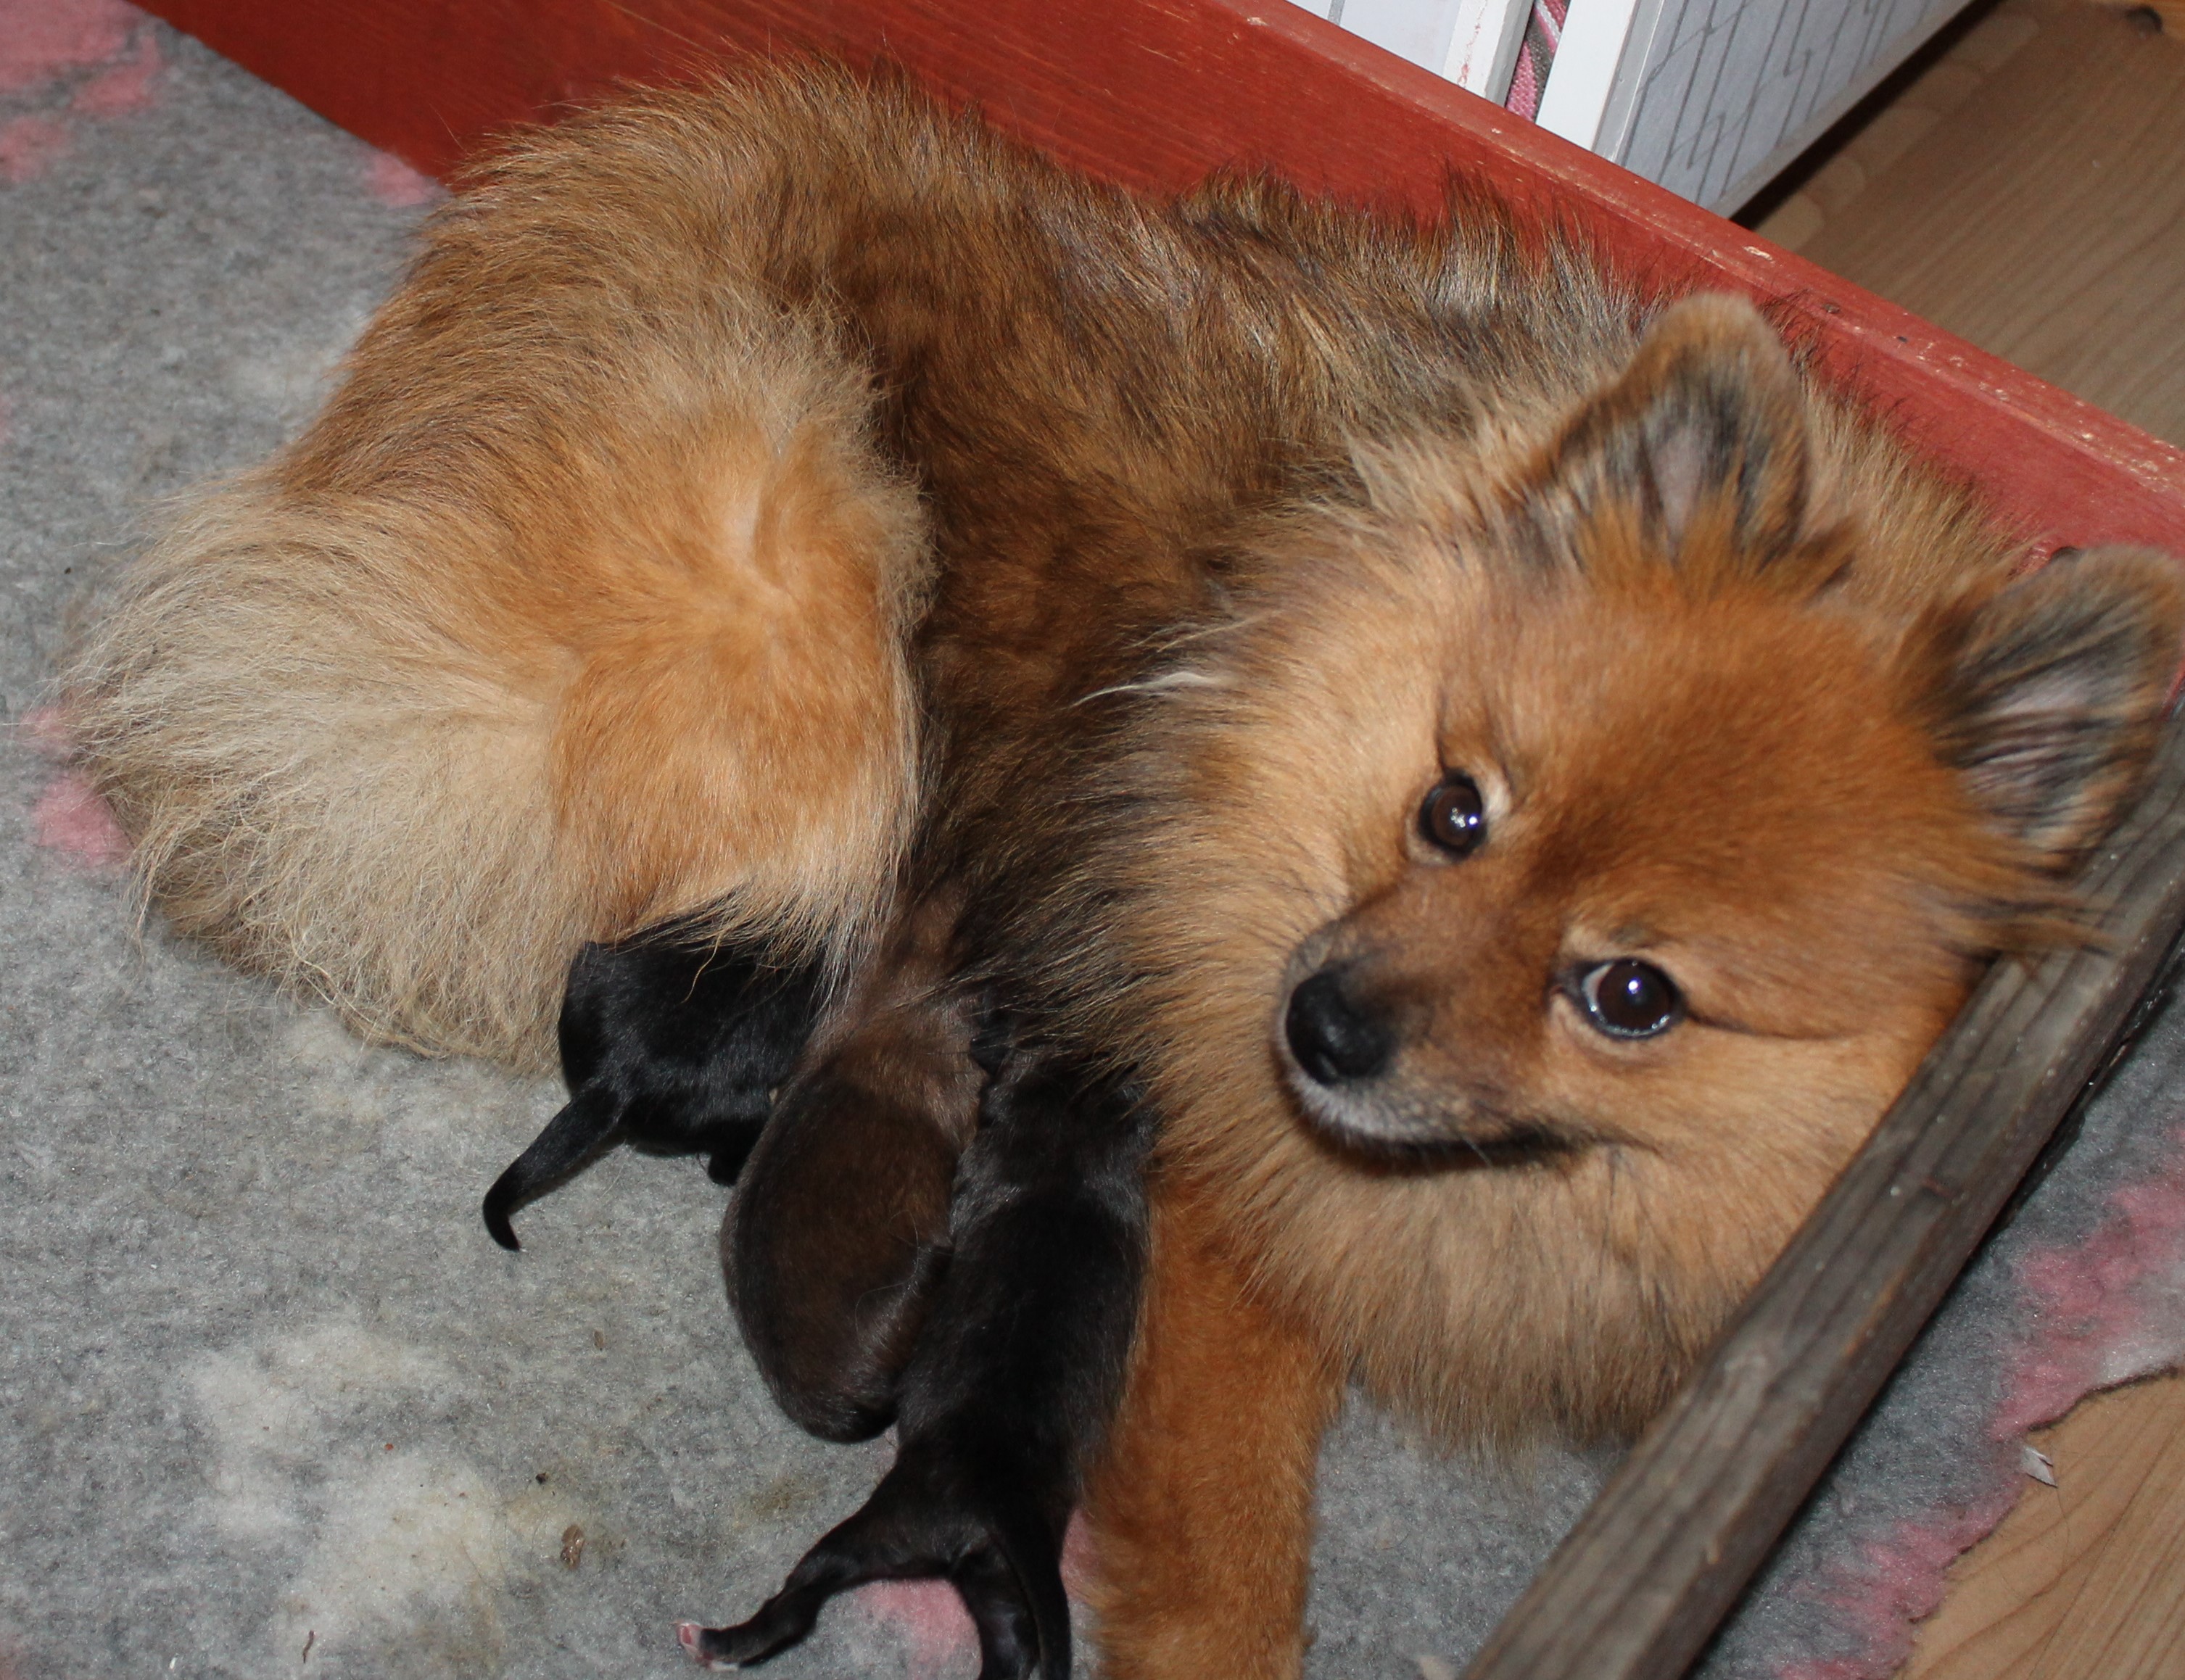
<point>2027,193</point>
<point>2085,1579</point>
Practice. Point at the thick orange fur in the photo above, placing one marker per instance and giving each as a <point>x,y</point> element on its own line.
<point>1203,1503</point>
<point>779,501</point>
<point>1718,730</point>
<point>584,605</point>
<point>1819,878</point>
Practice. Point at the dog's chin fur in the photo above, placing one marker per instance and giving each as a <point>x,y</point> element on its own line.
<point>1501,1279</point>
<point>1393,1132</point>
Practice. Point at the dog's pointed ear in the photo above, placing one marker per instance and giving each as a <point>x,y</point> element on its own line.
<point>1706,428</point>
<point>2047,696</point>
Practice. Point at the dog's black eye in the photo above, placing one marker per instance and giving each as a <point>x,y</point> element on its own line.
<point>1630,999</point>
<point>1454,817</point>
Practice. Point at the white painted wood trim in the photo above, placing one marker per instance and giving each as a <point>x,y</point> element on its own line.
<point>1579,80</point>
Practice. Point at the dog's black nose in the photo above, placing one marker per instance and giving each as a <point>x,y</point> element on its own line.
<point>1332,1037</point>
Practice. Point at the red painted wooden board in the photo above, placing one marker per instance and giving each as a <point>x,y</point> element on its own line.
<point>1155,94</point>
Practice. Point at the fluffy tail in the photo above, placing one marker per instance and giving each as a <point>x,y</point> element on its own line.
<point>585,605</point>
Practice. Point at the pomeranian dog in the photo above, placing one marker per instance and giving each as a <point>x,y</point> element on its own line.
<point>1507,778</point>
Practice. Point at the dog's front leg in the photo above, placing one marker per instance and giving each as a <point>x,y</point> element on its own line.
<point>1013,1380</point>
<point>1201,1504</point>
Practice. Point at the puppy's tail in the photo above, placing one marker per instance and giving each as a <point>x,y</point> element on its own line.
<point>405,718</point>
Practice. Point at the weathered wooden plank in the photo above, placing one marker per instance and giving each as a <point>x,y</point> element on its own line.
<point>1642,1580</point>
<point>1154,94</point>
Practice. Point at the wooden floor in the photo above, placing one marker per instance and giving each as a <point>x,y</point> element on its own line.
<point>2027,192</point>
<point>2086,1578</point>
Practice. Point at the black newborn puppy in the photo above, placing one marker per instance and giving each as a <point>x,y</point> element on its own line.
<point>671,1047</point>
<point>1017,1367</point>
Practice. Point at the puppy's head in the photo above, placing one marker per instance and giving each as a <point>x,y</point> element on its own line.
<point>1583,845</point>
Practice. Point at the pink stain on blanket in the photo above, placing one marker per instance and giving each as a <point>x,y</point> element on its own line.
<point>127,87</point>
<point>2101,1322</point>
<point>934,1627</point>
<point>395,184</point>
<point>44,42</point>
<point>2108,1309</point>
<point>42,39</point>
<point>28,146</point>
<point>931,1619</point>
<point>1899,1580</point>
<point>48,732</point>
<point>69,816</point>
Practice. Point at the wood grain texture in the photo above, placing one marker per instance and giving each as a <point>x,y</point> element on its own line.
<point>2081,1580</point>
<point>1640,1582</point>
<point>1155,94</point>
<point>2028,193</point>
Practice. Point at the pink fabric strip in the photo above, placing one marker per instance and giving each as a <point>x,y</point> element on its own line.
<point>1544,33</point>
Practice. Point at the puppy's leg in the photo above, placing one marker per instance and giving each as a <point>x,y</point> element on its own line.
<point>1201,1505</point>
<point>1013,1380</point>
<point>691,1034</point>
<point>583,1131</point>
<point>671,1046</point>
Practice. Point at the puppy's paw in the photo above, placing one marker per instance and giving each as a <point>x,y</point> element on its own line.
<point>693,1637</point>
<point>939,1513</point>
